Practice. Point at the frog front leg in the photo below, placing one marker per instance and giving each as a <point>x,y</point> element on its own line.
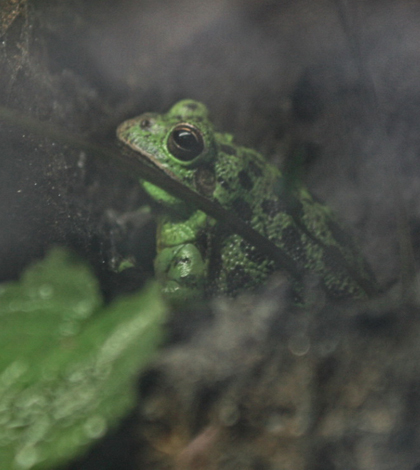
<point>182,272</point>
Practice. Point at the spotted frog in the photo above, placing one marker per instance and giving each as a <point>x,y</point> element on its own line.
<point>198,256</point>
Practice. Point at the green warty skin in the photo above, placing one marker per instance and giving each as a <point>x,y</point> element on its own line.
<point>196,255</point>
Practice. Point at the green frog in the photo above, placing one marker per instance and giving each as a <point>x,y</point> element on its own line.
<point>199,256</point>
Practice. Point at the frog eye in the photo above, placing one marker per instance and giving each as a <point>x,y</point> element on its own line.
<point>185,142</point>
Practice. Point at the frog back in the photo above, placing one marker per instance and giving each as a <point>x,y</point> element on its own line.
<point>288,215</point>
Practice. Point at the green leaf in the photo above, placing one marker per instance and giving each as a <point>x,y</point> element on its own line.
<point>68,363</point>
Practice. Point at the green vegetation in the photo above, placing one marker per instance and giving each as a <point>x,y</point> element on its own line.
<point>68,362</point>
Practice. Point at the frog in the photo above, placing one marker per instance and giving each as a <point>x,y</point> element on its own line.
<point>197,256</point>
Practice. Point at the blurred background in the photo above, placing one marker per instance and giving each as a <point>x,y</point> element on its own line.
<point>342,77</point>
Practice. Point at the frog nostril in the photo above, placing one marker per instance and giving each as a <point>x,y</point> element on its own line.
<point>145,123</point>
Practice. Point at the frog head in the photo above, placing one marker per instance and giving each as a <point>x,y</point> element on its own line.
<point>181,143</point>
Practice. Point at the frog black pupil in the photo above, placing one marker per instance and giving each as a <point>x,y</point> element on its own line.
<point>185,143</point>
<point>185,139</point>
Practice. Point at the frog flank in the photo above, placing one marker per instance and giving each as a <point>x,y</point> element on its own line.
<point>197,255</point>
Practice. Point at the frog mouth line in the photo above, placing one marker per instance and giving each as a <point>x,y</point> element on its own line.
<point>148,159</point>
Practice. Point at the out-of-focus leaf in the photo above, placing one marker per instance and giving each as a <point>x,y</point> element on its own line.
<point>67,362</point>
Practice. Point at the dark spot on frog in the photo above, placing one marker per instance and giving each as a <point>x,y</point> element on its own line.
<point>244,180</point>
<point>253,255</point>
<point>237,279</point>
<point>192,106</point>
<point>202,243</point>
<point>270,207</point>
<point>223,183</point>
<point>288,205</point>
<point>255,169</point>
<point>292,241</point>
<point>242,208</point>
<point>215,264</point>
<point>228,149</point>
